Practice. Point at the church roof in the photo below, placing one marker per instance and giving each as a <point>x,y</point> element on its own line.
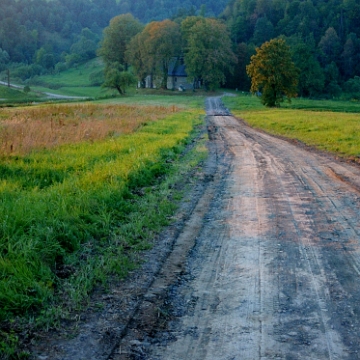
<point>177,67</point>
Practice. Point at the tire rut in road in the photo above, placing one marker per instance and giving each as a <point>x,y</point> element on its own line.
<point>152,314</point>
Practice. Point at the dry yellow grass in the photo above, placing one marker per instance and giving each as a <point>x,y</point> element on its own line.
<point>25,129</point>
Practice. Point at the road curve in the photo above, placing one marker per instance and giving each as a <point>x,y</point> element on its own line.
<point>275,272</point>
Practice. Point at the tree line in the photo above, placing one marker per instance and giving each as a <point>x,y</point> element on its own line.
<point>46,35</point>
<point>202,43</point>
<point>324,37</point>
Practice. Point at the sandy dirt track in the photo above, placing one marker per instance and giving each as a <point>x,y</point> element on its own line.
<point>275,268</point>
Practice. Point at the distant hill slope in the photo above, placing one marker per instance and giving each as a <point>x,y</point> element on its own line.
<point>57,25</point>
<point>147,10</point>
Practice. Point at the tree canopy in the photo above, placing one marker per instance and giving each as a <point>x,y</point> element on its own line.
<point>116,38</point>
<point>273,73</point>
<point>208,50</point>
<point>41,36</point>
<point>162,43</point>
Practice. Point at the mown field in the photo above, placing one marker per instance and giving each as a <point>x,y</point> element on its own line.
<point>84,188</point>
<point>332,126</point>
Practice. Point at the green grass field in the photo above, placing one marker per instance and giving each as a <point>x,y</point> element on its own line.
<point>79,76</point>
<point>333,126</point>
<point>78,82</point>
<point>76,215</point>
<point>10,95</point>
<point>145,97</point>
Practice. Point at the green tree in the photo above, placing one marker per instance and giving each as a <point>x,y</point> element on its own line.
<point>311,77</point>
<point>151,51</point>
<point>162,43</point>
<point>117,36</point>
<point>239,79</point>
<point>135,55</point>
<point>350,56</point>
<point>330,46</point>
<point>86,45</point>
<point>332,77</point>
<point>45,58</point>
<point>4,59</point>
<point>352,87</point>
<point>273,73</point>
<point>208,51</point>
<point>264,31</point>
<point>117,78</point>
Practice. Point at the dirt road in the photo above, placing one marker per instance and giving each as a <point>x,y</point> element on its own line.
<point>265,263</point>
<point>275,268</point>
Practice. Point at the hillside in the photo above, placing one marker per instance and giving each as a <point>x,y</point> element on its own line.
<point>39,37</point>
<point>48,32</point>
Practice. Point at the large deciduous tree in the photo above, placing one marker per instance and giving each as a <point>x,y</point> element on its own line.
<point>162,44</point>
<point>151,51</point>
<point>273,73</point>
<point>117,78</point>
<point>117,36</point>
<point>135,55</point>
<point>208,50</point>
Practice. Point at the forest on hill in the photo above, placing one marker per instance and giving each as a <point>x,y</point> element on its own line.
<point>44,32</point>
<point>324,37</point>
<point>39,36</point>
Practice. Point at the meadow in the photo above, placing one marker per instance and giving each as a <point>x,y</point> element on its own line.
<point>84,189</point>
<point>332,126</point>
<point>47,126</point>
<point>15,96</point>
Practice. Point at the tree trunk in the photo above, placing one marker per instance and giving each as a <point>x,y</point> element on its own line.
<point>165,77</point>
<point>118,88</point>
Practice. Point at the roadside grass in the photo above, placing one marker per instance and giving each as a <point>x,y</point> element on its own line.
<point>162,98</point>
<point>250,102</point>
<point>323,105</point>
<point>76,215</point>
<point>336,130</point>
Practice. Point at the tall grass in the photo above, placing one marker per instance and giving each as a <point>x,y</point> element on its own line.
<point>74,214</point>
<point>25,129</point>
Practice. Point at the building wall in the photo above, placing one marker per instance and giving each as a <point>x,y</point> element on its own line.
<point>174,82</point>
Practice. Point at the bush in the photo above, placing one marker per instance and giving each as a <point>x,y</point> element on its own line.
<point>24,72</point>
